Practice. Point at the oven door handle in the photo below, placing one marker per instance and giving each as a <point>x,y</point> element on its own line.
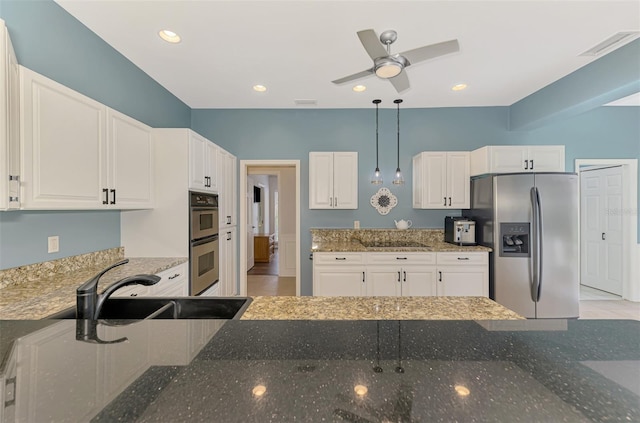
<point>204,240</point>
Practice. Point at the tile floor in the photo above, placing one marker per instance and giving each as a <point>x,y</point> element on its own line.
<point>596,304</point>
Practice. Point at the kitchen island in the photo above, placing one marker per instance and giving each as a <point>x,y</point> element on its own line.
<point>338,371</point>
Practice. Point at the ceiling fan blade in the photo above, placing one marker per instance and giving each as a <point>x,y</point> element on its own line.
<point>372,43</point>
<point>429,52</point>
<point>353,77</point>
<point>400,81</point>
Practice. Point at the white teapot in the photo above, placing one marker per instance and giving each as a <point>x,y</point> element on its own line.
<point>403,224</point>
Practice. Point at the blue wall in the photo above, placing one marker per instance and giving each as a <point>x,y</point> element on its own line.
<point>605,132</point>
<point>51,42</point>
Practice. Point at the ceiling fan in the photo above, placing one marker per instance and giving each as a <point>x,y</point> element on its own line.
<point>391,66</point>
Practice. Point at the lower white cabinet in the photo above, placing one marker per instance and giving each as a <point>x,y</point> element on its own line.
<point>339,274</point>
<point>463,274</point>
<point>401,274</point>
<point>228,262</point>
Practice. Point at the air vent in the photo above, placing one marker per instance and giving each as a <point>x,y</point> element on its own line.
<point>611,43</point>
<point>305,102</point>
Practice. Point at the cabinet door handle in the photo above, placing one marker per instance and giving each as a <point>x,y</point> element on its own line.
<point>330,201</point>
<point>362,277</point>
<point>134,295</point>
<point>106,196</point>
<point>463,258</point>
<point>113,191</point>
<point>228,236</point>
<point>604,236</point>
<point>398,276</point>
<point>526,165</point>
<point>531,164</point>
<point>439,276</point>
<point>449,200</point>
<point>404,276</point>
<point>335,201</point>
<point>174,276</point>
<point>228,220</point>
<point>445,201</point>
<point>341,258</point>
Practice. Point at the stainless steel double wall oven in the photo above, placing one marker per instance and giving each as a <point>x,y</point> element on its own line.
<point>203,251</point>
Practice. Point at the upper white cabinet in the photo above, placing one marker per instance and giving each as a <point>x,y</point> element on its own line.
<point>79,154</point>
<point>228,187</point>
<point>333,180</point>
<point>203,162</point>
<point>517,159</point>
<point>9,122</point>
<point>130,169</point>
<point>441,180</point>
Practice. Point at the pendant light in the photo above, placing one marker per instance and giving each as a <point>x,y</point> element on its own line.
<point>376,179</point>
<point>398,179</point>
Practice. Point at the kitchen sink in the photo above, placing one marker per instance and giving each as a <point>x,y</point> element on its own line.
<point>166,308</point>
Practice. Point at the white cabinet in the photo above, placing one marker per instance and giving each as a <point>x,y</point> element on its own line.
<point>9,123</point>
<point>441,180</point>
<point>517,159</point>
<point>203,161</point>
<point>339,274</point>
<point>79,154</point>
<point>401,274</point>
<point>333,180</point>
<point>228,188</point>
<point>228,262</point>
<point>463,274</point>
<point>129,162</point>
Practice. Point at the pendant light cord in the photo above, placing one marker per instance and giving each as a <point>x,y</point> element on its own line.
<point>398,115</point>
<point>377,103</point>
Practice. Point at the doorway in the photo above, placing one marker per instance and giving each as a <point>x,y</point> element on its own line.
<point>270,237</point>
<point>608,227</point>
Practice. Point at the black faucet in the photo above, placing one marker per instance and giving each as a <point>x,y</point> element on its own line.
<point>89,302</point>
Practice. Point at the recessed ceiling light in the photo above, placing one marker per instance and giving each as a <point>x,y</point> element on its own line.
<point>463,391</point>
<point>359,88</point>
<point>259,88</point>
<point>259,390</point>
<point>169,36</point>
<point>360,390</point>
<point>459,87</point>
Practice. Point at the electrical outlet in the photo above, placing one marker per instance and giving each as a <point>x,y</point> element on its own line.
<point>356,224</point>
<point>53,243</point>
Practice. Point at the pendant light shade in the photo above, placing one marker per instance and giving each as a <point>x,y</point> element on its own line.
<point>376,179</point>
<point>398,178</point>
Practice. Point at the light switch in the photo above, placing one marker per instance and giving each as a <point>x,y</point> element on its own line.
<point>53,244</point>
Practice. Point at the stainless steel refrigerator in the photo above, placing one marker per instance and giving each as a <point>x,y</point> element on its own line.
<point>530,220</point>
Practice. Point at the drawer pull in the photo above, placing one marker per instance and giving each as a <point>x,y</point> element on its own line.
<point>401,258</point>
<point>463,258</point>
<point>341,258</point>
<point>174,276</point>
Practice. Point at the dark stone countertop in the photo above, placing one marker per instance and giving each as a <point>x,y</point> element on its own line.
<point>308,371</point>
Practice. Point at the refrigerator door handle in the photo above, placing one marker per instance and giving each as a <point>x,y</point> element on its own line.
<point>536,285</point>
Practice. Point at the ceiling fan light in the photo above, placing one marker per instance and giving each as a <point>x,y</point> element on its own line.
<point>388,68</point>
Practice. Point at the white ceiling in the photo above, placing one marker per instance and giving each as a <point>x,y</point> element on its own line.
<point>508,49</point>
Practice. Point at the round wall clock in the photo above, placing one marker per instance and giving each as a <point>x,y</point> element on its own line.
<point>384,201</point>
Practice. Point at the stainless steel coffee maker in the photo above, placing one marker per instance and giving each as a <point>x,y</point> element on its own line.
<point>459,230</point>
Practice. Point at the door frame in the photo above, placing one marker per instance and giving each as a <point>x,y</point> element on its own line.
<point>630,247</point>
<point>244,165</point>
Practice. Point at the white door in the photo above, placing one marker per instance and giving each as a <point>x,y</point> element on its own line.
<point>435,170</point>
<point>384,281</point>
<point>345,180</point>
<point>508,158</point>
<point>249,223</point>
<point>198,161</point>
<point>419,281</point>
<point>601,232</point>
<point>461,281</point>
<point>458,180</point>
<point>339,282</point>
<point>320,180</point>
<point>131,171</point>
<point>546,158</point>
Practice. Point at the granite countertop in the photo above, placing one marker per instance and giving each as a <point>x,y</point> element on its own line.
<point>53,293</point>
<point>327,371</point>
<point>356,246</point>
<point>377,308</point>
